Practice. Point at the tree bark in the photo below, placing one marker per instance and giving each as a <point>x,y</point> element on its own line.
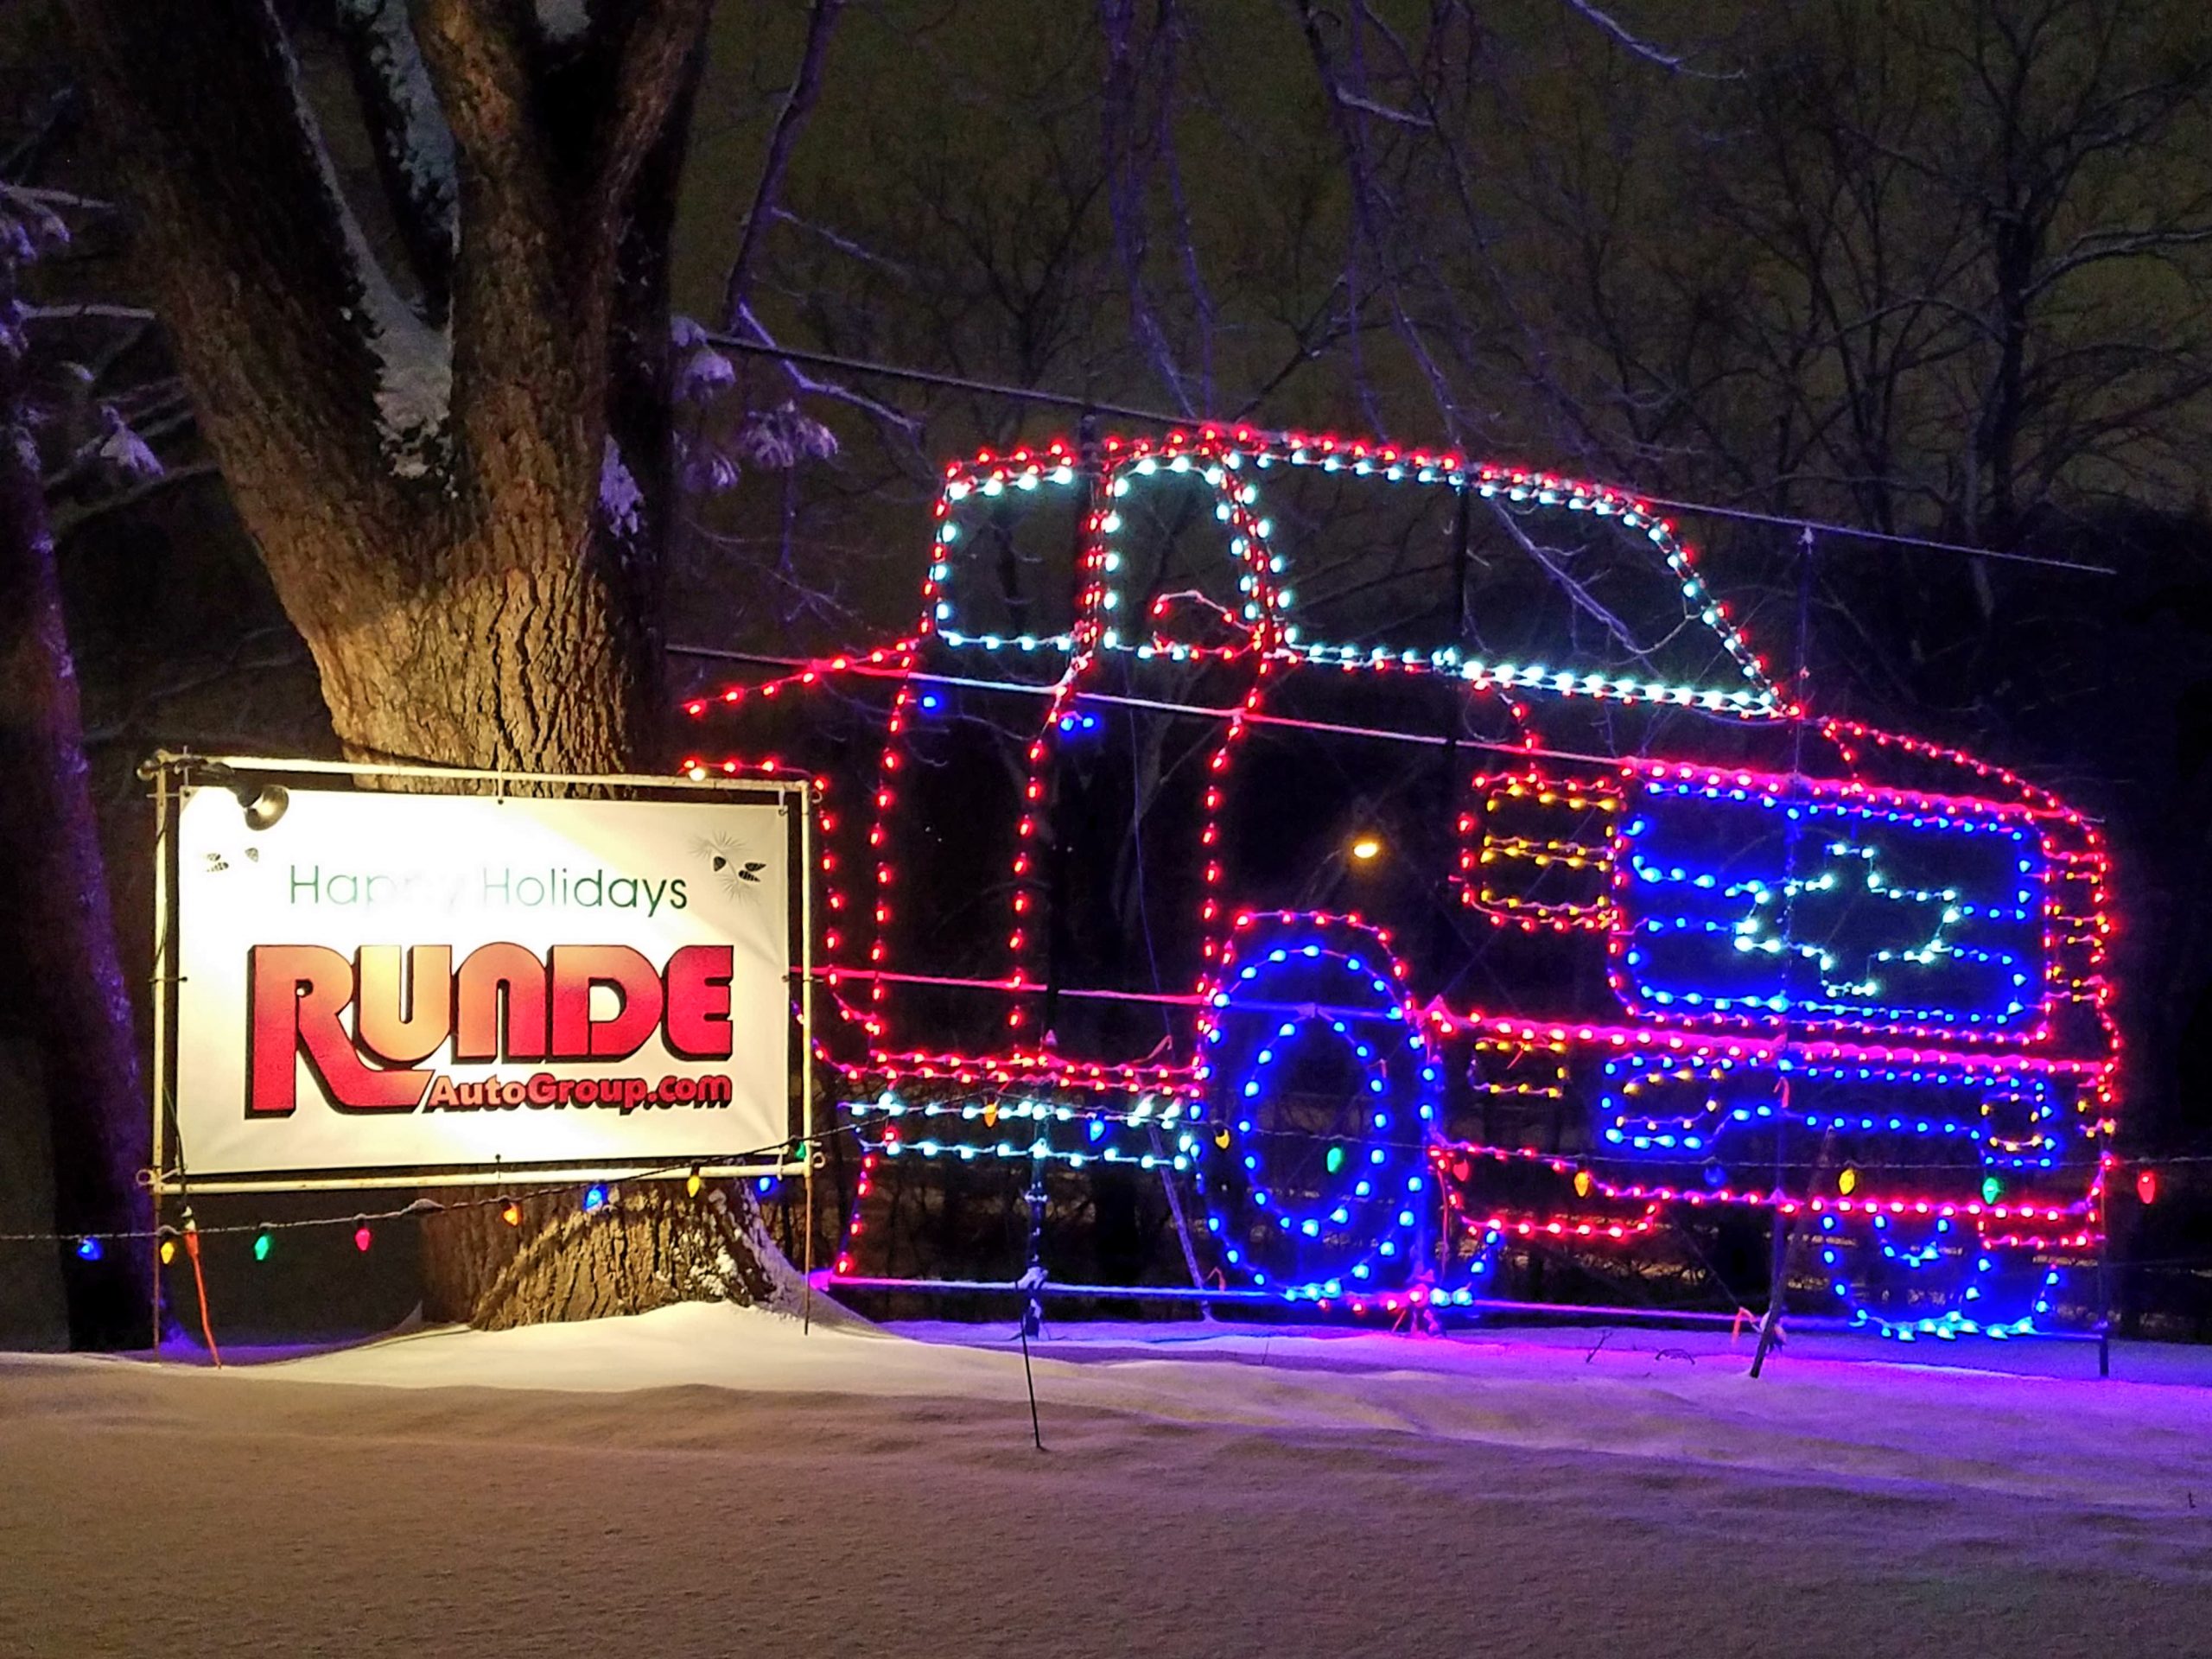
<point>54,884</point>
<point>517,653</point>
<point>488,599</point>
<point>647,1247</point>
<point>475,608</point>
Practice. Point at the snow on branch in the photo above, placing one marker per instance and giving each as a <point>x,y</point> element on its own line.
<point>1612,25</point>
<point>780,438</point>
<point>562,22</point>
<point>1636,46</point>
<point>414,361</point>
<point>414,146</point>
<point>906,423</point>
<point>621,503</point>
<point>701,370</point>
<point>29,226</point>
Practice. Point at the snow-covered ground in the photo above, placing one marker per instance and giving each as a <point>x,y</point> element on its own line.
<point>708,1480</point>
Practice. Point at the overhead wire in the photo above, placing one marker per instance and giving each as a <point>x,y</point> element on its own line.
<point>1045,398</point>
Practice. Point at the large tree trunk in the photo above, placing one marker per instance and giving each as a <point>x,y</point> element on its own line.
<point>53,887</point>
<point>479,588</point>
<point>514,652</point>
<point>647,1247</point>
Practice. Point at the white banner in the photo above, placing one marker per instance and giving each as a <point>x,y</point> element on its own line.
<point>380,981</point>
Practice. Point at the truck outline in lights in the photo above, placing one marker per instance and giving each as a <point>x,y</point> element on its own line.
<point>1942,1154</point>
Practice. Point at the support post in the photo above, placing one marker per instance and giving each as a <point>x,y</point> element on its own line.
<point>154,1277</point>
<point>807,1150</point>
<point>1441,1248</point>
<point>1032,1274</point>
<point>1784,1221</point>
<point>2104,1266</point>
<point>1036,1429</point>
<point>158,1000</point>
<point>1778,1269</point>
<point>1166,1166</point>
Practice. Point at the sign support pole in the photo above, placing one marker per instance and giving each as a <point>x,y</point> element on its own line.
<point>157,1071</point>
<point>1784,1220</point>
<point>806,1046</point>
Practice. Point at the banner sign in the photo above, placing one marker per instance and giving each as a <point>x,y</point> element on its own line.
<point>381,980</point>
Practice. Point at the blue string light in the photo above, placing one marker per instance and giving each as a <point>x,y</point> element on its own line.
<point>2009,1122</point>
<point>1352,1226</point>
<point>1978,1306</point>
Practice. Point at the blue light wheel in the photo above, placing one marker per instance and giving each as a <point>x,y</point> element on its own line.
<point>1910,1277</point>
<point>1320,1099</point>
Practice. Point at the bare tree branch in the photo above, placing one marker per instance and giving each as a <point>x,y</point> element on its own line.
<point>790,116</point>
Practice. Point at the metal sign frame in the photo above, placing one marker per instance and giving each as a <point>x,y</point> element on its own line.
<point>175,776</point>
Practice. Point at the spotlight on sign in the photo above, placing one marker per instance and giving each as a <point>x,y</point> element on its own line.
<point>263,804</point>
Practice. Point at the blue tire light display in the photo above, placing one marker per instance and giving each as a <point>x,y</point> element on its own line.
<point>1323,1095</point>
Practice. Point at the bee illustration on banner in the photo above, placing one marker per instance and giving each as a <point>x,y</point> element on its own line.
<point>732,863</point>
